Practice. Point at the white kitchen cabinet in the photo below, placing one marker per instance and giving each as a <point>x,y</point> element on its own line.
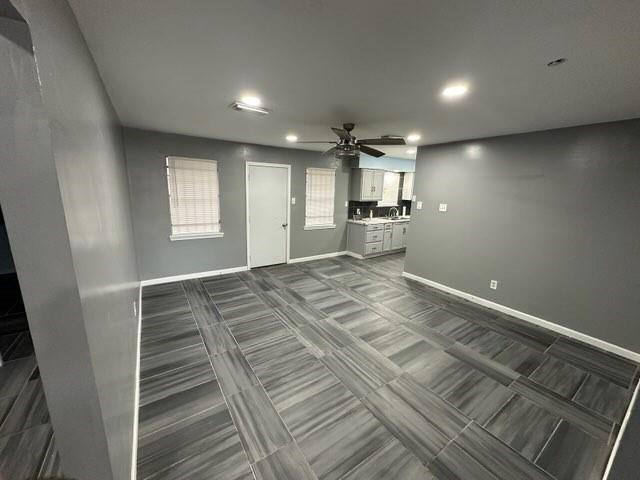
<point>366,184</point>
<point>369,239</point>
<point>399,238</point>
<point>407,186</point>
<point>388,235</point>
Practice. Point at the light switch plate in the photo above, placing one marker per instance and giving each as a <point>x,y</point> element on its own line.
<point>493,284</point>
<point>413,198</point>
<point>293,200</point>
<point>419,205</point>
<point>442,207</point>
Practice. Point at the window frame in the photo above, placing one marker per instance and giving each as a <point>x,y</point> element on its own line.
<point>191,235</point>
<point>322,226</point>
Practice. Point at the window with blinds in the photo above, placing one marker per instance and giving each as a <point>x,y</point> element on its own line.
<point>390,190</point>
<point>194,198</point>
<point>320,198</point>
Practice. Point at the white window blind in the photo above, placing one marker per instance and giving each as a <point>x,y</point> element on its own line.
<point>320,197</point>
<point>194,198</point>
<point>390,189</point>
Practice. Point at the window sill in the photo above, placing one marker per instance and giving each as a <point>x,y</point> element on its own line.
<point>195,236</point>
<point>319,227</point>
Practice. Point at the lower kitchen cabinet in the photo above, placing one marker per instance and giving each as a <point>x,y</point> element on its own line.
<point>376,238</point>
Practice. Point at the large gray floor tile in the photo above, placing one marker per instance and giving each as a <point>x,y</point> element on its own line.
<point>175,381</point>
<point>495,456</point>
<point>260,427</point>
<point>361,368</point>
<point>29,410</point>
<point>339,447</point>
<point>520,358</point>
<point>612,367</point>
<point>559,376</point>
<point>604,397</point>
<point>523,425</point>
<point>202,446</point>
<point>287,463</point>
<point>233,371</point>
<point>393,461</point>
<point>21,454</point>
<point>174,408</point>
<point>572,454</point>
<point>590,421</point>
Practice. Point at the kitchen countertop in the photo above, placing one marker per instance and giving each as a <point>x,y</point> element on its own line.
<point>377,220</point>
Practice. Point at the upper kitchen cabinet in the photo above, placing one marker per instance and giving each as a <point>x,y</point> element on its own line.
<point>407,186</point>
<point>366,184</point>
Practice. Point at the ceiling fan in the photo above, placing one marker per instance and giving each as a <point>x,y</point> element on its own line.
<point>348,146</point>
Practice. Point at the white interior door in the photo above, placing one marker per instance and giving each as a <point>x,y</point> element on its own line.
<point>267,211</point>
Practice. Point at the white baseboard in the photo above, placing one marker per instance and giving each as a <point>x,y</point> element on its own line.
<point>354,255</point>
<point>317,257</point>
<point>603,345</point>
<point>136,395</point>
<point>188,276</point>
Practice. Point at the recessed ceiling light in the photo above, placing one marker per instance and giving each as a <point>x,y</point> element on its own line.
<point>251,100</point>
<point>454,91</point>
<point>413,137</point>
<point>474,151</point>
<point>556,62</point>
<point>292,138</point>
<point>411,151</point>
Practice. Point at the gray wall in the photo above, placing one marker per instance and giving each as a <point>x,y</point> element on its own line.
<point>71,237</point>
<point>160,257</point>
<point>553,216</point>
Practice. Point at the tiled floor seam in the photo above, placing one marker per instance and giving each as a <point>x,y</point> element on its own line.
<point>224,396</point>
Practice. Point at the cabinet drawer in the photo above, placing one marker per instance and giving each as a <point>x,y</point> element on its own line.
<point>376,227</point>
<point>375,236</point>
<point>370,248</point>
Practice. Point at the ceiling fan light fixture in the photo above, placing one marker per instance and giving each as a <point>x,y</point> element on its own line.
<point>243,107</point>
<point>291,138</point>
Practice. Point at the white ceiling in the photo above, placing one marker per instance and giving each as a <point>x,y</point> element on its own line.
<point>175,66</point>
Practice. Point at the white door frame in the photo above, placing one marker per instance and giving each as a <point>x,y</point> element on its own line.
<point>267,164</point>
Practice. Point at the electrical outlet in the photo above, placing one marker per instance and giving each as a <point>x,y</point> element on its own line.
<point>293,200</point>
<point>493,284</point>
<point>413,198</point>
<point>346,204</point>
<point>442,207</point>
<point>419,205</point>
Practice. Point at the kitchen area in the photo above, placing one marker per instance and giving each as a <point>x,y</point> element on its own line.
<point>380,200</point>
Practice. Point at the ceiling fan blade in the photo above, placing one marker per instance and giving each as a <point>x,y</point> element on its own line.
<point>331,151</point>
<point>319,141</point>
<point>343,134</point>
<point>371,151</point>
<point>382,141</point>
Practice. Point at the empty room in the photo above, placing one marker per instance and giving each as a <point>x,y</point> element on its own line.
<point>319,240</point>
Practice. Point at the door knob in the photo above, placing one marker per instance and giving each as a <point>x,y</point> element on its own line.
<point>284,225</point>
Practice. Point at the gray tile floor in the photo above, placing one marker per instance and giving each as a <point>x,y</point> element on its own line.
<point>27,445</point>
<point>343,369</point>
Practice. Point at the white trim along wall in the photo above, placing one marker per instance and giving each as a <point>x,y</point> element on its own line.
<point>601,344</point>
